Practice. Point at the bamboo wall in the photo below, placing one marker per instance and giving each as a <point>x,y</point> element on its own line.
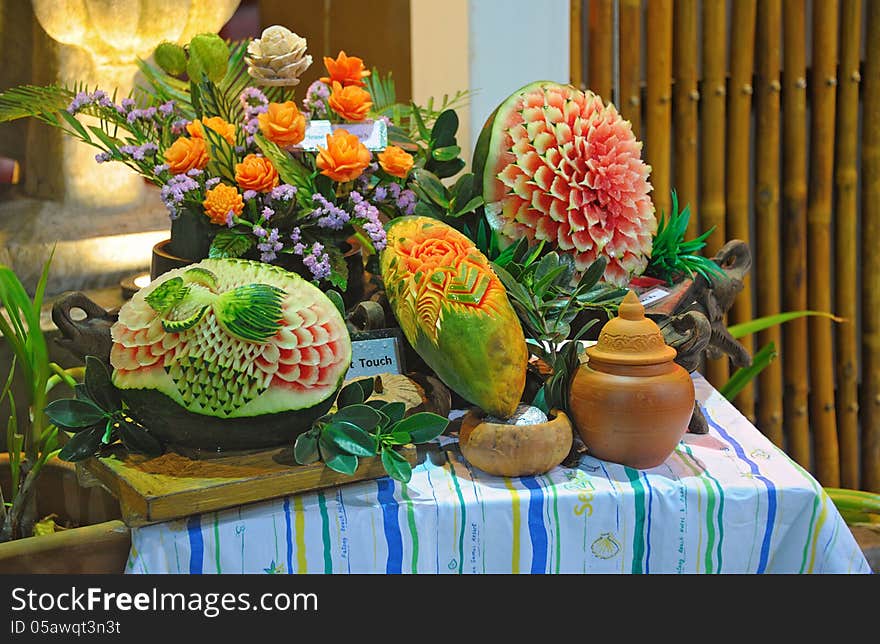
<point>777,144</point>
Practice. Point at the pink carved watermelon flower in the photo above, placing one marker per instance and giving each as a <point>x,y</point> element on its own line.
<point>565,168</point>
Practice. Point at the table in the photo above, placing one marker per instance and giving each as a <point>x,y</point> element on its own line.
<point>725,502</point>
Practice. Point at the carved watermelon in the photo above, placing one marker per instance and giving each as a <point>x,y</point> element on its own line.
<point>454,311</point>
<point>229,354</point>
<point>554,163</point>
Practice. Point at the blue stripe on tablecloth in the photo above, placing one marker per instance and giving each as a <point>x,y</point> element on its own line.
<point>196,544</point>
<point>771,491</point>
<point>394,564</point>
<point>289,535</point>
<point>537,529</point>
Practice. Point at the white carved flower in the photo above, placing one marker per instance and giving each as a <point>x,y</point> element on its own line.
<point>278,57</point>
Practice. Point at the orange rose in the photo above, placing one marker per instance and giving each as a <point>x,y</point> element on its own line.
<point>256,173</point>
<point>283,124</point>
<point>186,154</point>
<point>221,127</point>
<point>351,103</point>
<point>395,161</point>
<point>345,157</point>
<point>347,70</point>
<point>220,201</point>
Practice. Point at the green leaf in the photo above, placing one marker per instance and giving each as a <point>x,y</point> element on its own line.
<point>305,449</point>
<point>336,298</point>
<point>351,394</point>
<point>70,413</point>
<point>167,295</point>
<point>396,465</point>
<point>136,438</point>
<point>362,416</point>
<point>334,458</point>
<point>367,385</point>
<point>745,375</point>
<point>397,438</point>
<point>447,153</point>
<point>395,411</point>
<point>75,124</point>
<point>759,324</point>
<point>592,275</point>
<point>251,312</point>
<point>82,445</point>
<point>423,426</point>
<point>99,386</point>
<point>470,206</point>
<point>349,438</point>
<point>420,124</point>
<point>432,186</point>
<point>443,132</point>
<point>540,401</point>
<point>230,243</point>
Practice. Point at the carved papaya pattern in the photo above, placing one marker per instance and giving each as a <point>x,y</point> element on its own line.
<point>631,343</point>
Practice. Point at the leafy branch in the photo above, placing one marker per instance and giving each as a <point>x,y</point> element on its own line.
<point>362,428</point>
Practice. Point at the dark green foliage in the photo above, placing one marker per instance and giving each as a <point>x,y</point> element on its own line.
<point>671,256</point>
<point>359,429</point>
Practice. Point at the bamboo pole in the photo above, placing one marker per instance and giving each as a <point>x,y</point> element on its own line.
<point>795,362</point>
<point>658,115</point>
<point>575,45</point>
<point>630,62</point>
<point>685,105</point>
<point>824,80</point>
<point>766,270</point>
<point>739,126</point>
<point>870,408</point>
<point>712,129</point>
<point>846,242</point>
<point>601,48</point>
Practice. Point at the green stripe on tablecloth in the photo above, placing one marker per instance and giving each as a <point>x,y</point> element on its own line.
<point>710,506</point>
<point>413,530</point>
<point>325,532</point>
<point>813,529</point>
<point>463,516</point>
<point>217,542</point>
<point>638,559</point>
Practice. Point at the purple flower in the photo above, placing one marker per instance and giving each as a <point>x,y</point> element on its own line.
<point>194,172</point>
<point>259,231</point>
<point>247,195</point>
<point>103,157</point>
<point>159,169</point>
<point>79,101</point>
<point>213,181</point>
<point>267,213</point>
<point>127,104</point>
<point>296,236</point>
<point>283,192</point>
<point>165,109</point>
<point>380,193</point>
<point>179,126</point>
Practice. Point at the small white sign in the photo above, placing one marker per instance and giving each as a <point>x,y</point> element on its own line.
<point>373,134</point>
<point>654,295</point>
<point>374,356</point>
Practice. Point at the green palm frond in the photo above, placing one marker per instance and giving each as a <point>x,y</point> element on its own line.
<point>35,101</point>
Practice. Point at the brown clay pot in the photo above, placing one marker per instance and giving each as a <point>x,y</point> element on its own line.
<point>631,403</point>
<point>515,450</point>
<point>163,261</point>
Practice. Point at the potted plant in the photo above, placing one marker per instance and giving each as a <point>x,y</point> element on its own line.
<point>43,528</point>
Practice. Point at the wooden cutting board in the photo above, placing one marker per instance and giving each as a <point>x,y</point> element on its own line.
<point>174,485</point>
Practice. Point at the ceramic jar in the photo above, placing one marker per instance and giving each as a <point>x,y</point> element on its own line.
<point>630,402</point>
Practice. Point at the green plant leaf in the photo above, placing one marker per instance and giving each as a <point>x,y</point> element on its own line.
<point>305,449</point>
<point>396,465</point>
<point>745,375</point>
<point>397,438</point>
<point>423,426</point>
<point>137,439</point>
<point>100,386</point>
<point>759,324</point>
<point>70,413</point>
<point>229,243</point>
<point>447,153</point>
<point>540,400</point>
<point>336,298</point>
<point>395,411</point>
<point>351,394</point>
<point>362,416</point>
<point>82,445</point>
<point>349,438</point>
<point>367,385</point>
<point>445,127</point>
<point>432,186</point>
<point>335,459</point>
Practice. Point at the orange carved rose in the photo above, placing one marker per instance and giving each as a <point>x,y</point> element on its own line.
<point>186,154</point>
<point>346,70</point>
<point>256,173</point>
<point>221,127</point>
<point>395,161</point>
<point>345,157</point>
<point>351,103</point>
<point>220,201</point>
<point>283,124</point>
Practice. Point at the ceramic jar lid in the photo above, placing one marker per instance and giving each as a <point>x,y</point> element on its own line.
<point>631,338</point>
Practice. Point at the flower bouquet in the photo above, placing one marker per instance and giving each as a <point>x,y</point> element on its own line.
<point>247,171</point>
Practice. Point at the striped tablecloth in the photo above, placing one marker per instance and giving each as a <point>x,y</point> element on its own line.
<point>725,502</point>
